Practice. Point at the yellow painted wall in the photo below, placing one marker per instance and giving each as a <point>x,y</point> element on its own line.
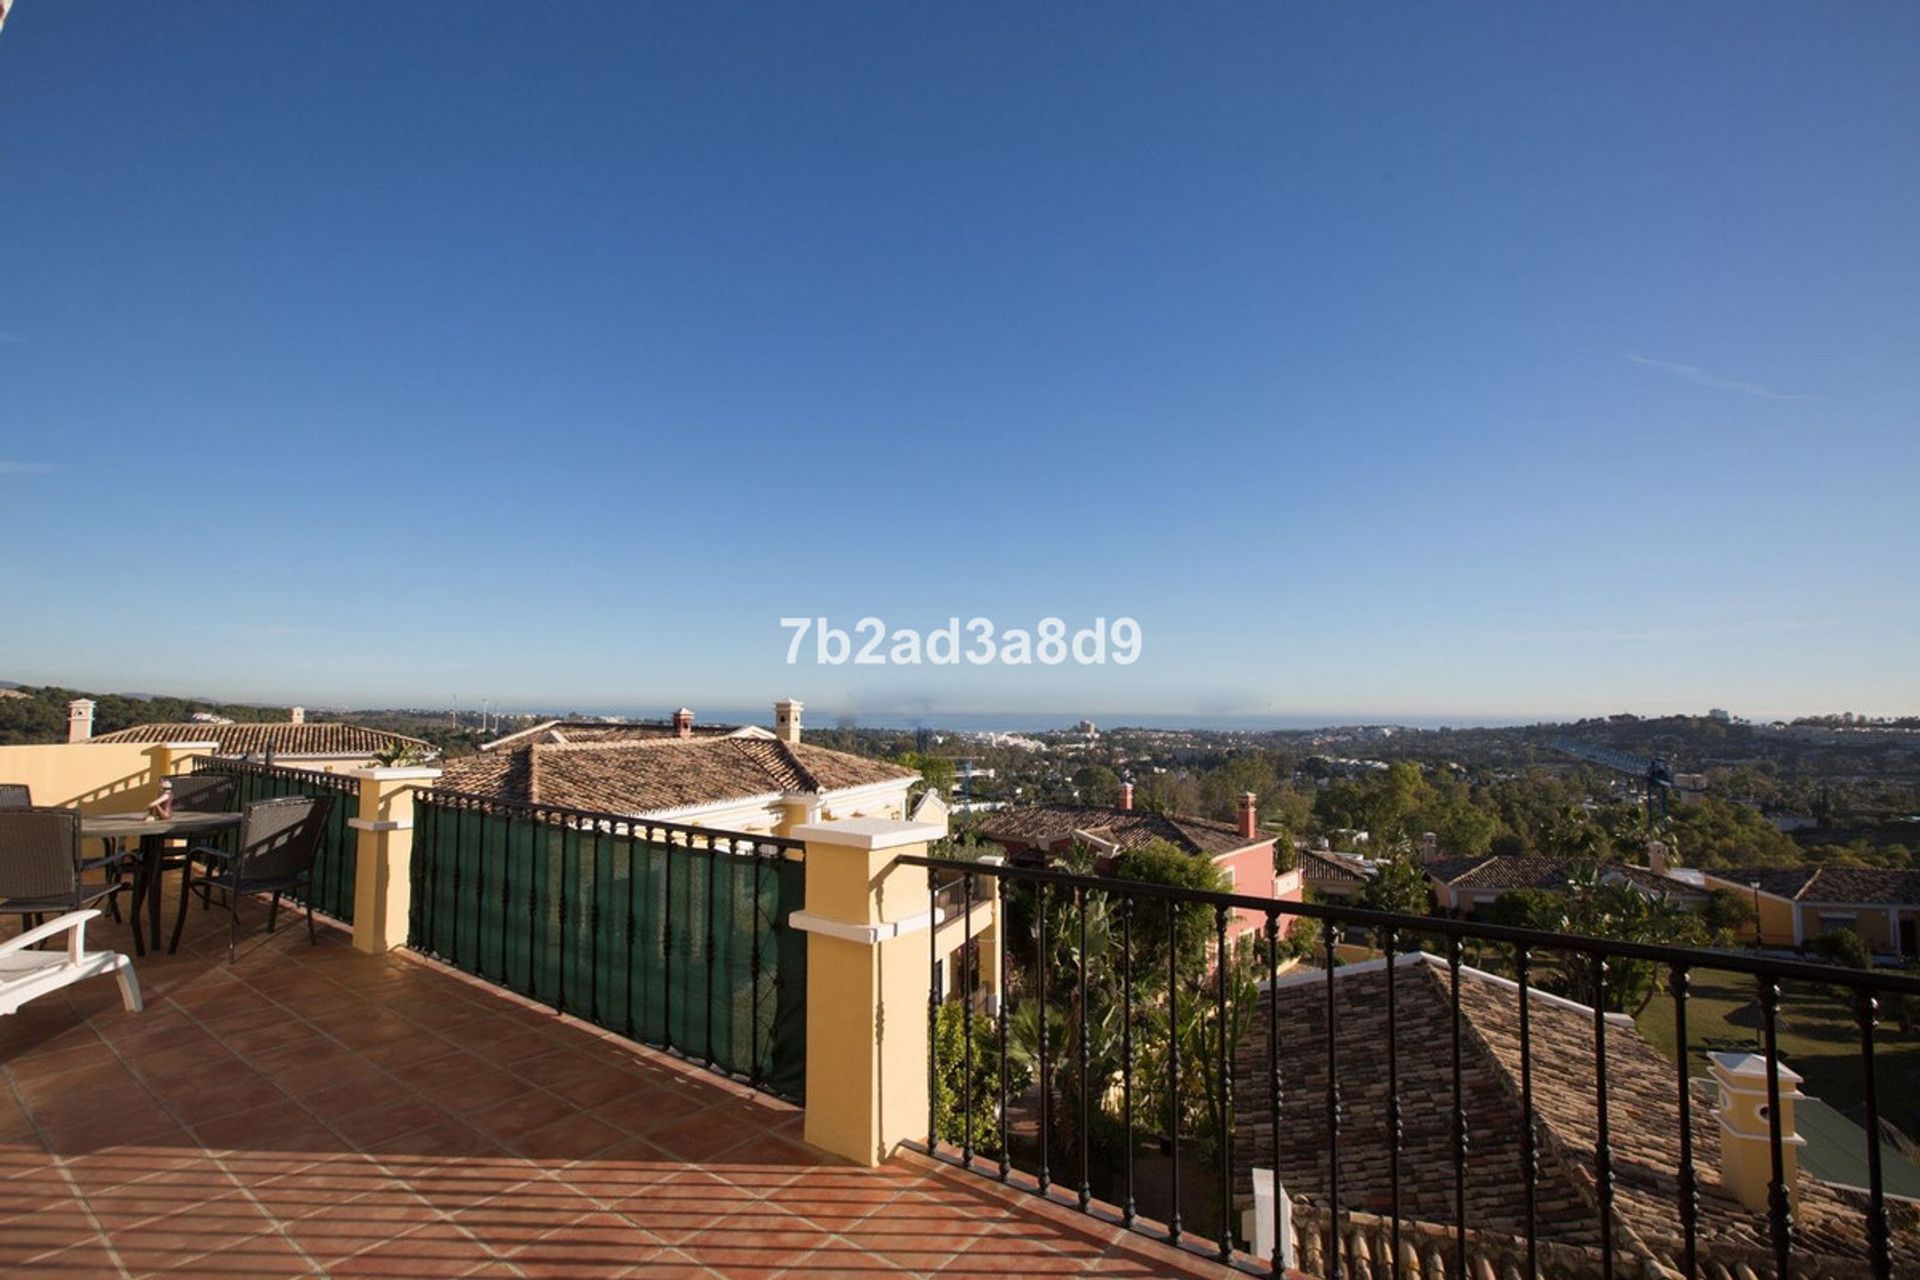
<point>1776,921</point>
<point>96,776</point>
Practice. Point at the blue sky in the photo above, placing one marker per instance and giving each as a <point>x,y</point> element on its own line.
<point>1422,362</point>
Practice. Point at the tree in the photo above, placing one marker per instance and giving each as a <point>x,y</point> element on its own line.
<point>936,772</point>
<point>954,1086</point>
<point>1729,914</point>
<point>1528,909</point>
<point>1399,884</point>
<point>1097,785</point>
<point>1162,863</point>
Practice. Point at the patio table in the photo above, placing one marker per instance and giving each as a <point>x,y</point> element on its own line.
<point>152,833</point>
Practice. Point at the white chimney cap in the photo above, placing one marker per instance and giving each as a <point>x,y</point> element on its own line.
<point>1751,1066</point>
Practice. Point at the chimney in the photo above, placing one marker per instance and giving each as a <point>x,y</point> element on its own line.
<point>79,719</point>
<point>296,715</point>
<point>1429,846</point>
<point>683,723</point>
<point>1657,857</point>
<point>1746,1155</point>
<point>786,719</point>
<point>1126,797</point>
<point>1249,815</point>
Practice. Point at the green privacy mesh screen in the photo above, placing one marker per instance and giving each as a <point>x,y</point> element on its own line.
<point>676,936</point>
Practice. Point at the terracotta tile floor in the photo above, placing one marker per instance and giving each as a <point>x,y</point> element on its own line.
<point>312,1111</point>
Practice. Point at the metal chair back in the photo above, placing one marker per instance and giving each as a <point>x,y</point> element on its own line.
<point>204,793</point>
<point>279,839</point>
<point>15,795</point>
<point>39,854</point>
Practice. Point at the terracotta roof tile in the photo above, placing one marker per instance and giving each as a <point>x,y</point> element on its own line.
<point>1041,826</point>
<point>1317,865</point>
<point>1506,872</point>
<point>1862,885</point>
<point>661,773</point>
<point>314,738</point>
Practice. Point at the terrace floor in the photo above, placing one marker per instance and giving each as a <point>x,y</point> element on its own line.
<point>311,1111</point>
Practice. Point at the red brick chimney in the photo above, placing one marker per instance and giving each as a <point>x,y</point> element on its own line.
<point>683,723</point>
<point>1126,797</point>
<point>1249,815</point>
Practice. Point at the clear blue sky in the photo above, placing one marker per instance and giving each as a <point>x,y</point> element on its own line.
<point>1425,361</point>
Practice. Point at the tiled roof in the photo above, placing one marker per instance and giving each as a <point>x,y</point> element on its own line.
<point>661,773</point>
<point>1041,826</point>
<point>1874,886</point>
<point>1642,1104</point>
<point>314,738</point>
<point>577,731</point>
<point>1507,872</point>
<point>1319,865</point>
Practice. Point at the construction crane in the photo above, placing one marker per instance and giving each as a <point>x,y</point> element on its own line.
<point>1655,774</point>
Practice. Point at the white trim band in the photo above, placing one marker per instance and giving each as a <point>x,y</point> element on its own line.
<point>864,934</point>
<point>371,824</point>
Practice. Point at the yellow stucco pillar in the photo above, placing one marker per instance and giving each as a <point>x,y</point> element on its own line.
<point>1746,1149</point>
<point>867,979</point>
<point>383,855</point>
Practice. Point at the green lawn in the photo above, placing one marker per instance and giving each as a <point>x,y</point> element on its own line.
<point>1818,1038</point>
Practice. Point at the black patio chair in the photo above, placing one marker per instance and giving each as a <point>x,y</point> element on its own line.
<point>15,795</point>
<point>42,867</point>
<point>205,793</point>
<point>279,840</point>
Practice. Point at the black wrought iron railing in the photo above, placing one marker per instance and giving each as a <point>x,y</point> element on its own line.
<point>333,868</point>
<point>674,936</point>
<point>1150,1052</point>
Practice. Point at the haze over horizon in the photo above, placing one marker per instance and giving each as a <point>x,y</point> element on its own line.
<point>1499,364</point>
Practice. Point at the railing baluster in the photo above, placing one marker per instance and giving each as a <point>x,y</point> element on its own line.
<point>1045,1177</point>
<point>1603,1145</point>
<point>1127,1207</point>
<point>634,869</point>
<point>1682,983</point>
<point>1086,1059</point>
<point>459,850</point>
<point>569,861</point>
<point>666,943</point>
<point>1396,1134</point>
<point>1000,933</point>
<point>753,1002</point>
<point>1779,1214</point>
<point>933,1011</point>
<point>1225,1085</point>
<point>593,927</point>
<point>1276,1265</point>
<point>968,958</point>
<point>713,876</point>
<point>506,899</point>
<point>1455,950</point>
<point>480,907</point>
<point>535,865</point>
<point>1173,1064</point>
<point>1529,1139</point>
<point>1334,1252</point>
<point>1879,1245</point>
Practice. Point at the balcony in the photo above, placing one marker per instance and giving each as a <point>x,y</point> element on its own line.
<point>315,1110</point>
